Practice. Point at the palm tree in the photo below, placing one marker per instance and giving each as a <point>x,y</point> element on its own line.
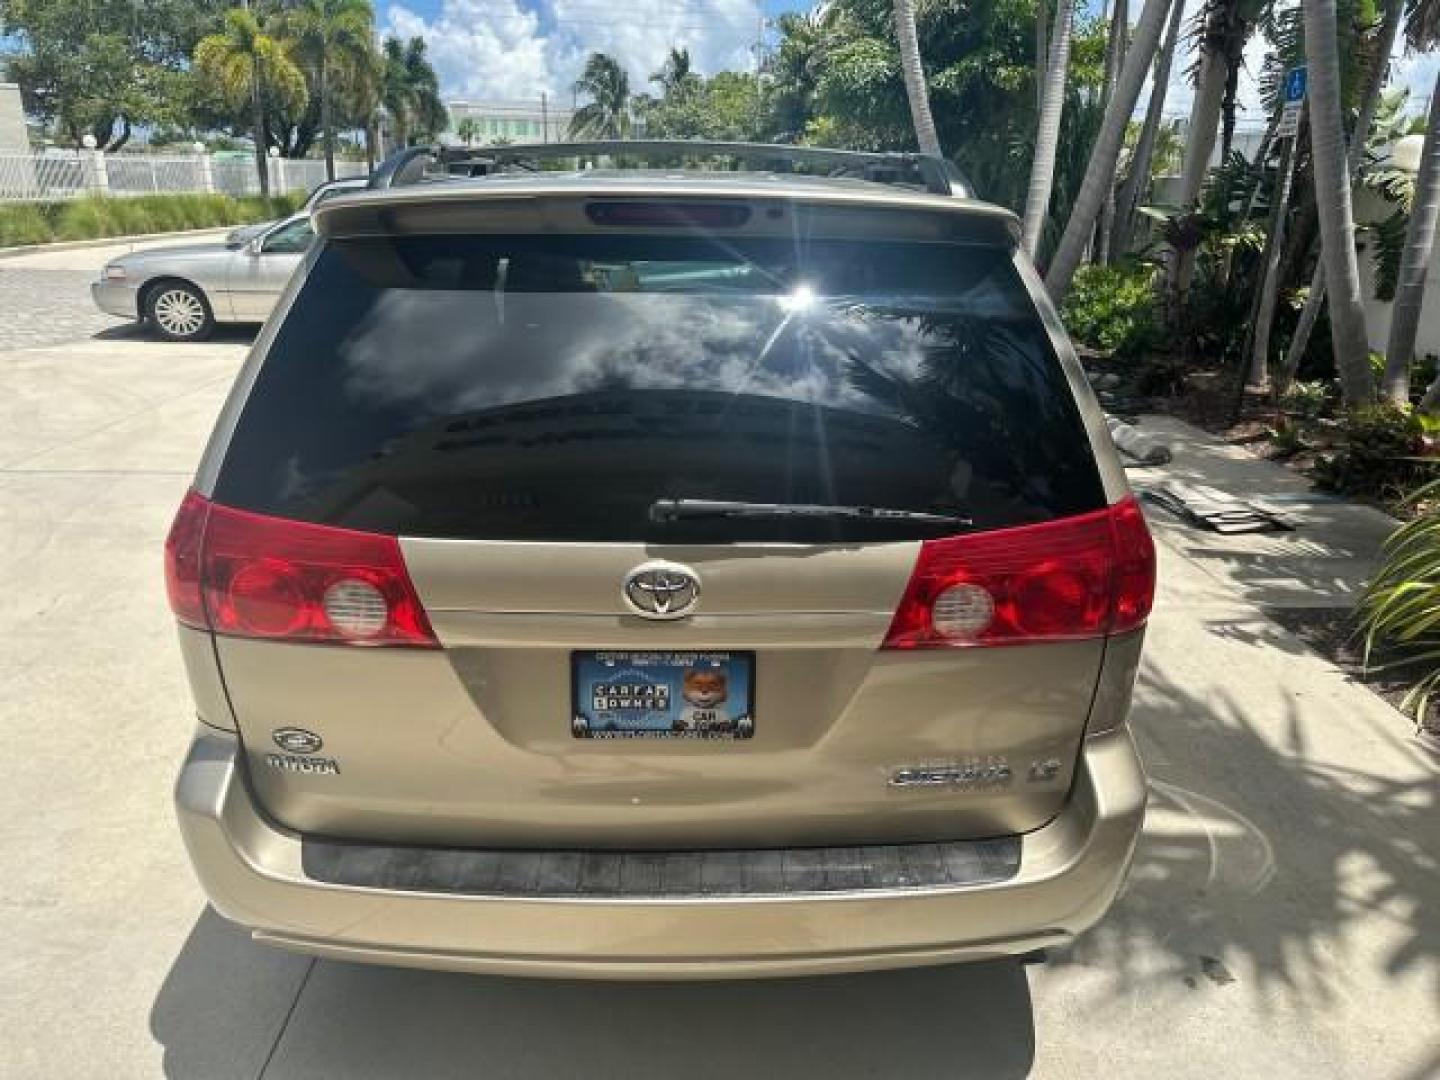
<point>332,38</point>
<point>607,116</point>
<point>468,130</point>
<point>1332,198</point>
<point>676,76</point>
<point>1047,134</point>
<point>1369,102</point>
<point>1414,262</point>
<point>914,73</point>
<point>1205,113</point>
<point>410,90</point>
<point>1100,171</point>
<point>246,64</point>
<point>1114,58</point>
<point>1138,180</point>
<point>1270,266</point>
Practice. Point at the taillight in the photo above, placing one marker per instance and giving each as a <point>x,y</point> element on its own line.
<point>249,575</point>
<point>182,561</point>
<point>1078,577</point>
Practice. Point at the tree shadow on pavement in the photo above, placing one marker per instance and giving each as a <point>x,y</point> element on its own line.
<point>226,1010</point>
<point>1275,853</point>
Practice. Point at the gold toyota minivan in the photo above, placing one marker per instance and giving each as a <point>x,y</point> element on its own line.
<point>662,574</point>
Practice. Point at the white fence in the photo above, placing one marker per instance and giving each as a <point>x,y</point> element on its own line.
<point>67,174</point>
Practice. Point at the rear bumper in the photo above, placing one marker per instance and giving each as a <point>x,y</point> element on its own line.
<point>1069,873</point>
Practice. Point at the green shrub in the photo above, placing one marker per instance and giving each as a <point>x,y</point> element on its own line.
<point>23,223</point>
<point>1378,455</point>
<point>1112,308</point>
<point>85,219</point>
<point>95,217</point>
<point>1309,400</point>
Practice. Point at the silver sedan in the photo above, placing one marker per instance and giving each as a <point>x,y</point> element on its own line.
<point>184,291</point>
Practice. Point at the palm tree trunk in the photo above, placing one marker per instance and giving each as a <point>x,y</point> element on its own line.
<point>1264,318</point>
<point>1114,58</point>
<point>915,78</point>
<point>370,143</point>
<point>1332,198</point>
<point>327,121</point>
<point>1101,168</point>
<point>257,109</point>
<point>1138,182</point>
<point>1042,53</point>
<point>1369,102</point>
<point>1199,145</point>
<point>1047,135</point>
<point>1414,262</point>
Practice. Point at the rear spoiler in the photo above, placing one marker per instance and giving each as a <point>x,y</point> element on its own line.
<point>567,204</point>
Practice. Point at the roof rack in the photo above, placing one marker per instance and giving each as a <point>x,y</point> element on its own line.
<point>422,164</point>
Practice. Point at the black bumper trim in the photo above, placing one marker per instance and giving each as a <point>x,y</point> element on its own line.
<point>662,874</point>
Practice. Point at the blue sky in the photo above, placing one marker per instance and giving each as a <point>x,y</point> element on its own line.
<point>515,49</point>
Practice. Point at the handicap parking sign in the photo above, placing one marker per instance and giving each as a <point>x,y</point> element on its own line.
<point>1295,85</point>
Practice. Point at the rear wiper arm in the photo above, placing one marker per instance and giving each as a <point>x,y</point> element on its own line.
<point>679,509</point>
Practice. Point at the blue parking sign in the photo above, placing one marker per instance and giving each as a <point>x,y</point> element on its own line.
<point>1295,85</point>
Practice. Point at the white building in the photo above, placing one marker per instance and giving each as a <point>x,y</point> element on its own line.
<point>539,120</point>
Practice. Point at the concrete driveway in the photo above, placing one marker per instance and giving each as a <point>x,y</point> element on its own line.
<point>1283,919</point>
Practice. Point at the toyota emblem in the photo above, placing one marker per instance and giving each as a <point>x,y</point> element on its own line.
<point>661,590</point>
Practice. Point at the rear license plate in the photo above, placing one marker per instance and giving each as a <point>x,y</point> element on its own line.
<point>663,695</point>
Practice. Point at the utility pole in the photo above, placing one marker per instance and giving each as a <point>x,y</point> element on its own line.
<point>544,118</point>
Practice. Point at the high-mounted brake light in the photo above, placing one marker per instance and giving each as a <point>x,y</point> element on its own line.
<point>668,215</point>
<point>249,575</point>
<point>1075,578</point>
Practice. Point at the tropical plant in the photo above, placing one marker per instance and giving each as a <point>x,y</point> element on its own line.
<point>914,73</point>
<point>1414,262</point>
<point>468,130</point>
<point>245,65</point>
<point>333,40</point>
<point>607,114</point>
<point>1100,172</point>
<point>1332,197</point>
<point>410,90</point>
<point>1400,609</point>
<point>1378,453</point>
<point>1047,135</point>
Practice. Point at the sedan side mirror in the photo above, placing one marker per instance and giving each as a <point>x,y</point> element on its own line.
<point>253,248</point>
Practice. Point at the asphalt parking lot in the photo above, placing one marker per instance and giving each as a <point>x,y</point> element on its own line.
<point>1282,920</point>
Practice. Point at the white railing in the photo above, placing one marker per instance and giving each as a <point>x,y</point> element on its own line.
<point>66,174</point>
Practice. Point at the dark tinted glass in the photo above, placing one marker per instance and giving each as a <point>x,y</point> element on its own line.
<point>553,388</point>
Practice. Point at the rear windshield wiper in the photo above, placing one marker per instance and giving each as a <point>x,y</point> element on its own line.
<point>679,509</point>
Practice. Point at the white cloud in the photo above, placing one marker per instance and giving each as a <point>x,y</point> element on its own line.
<point>514,50</point>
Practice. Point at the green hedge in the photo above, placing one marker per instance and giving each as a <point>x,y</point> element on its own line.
<point>94,217</point>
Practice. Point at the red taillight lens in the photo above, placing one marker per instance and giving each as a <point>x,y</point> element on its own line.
<point>249,575</point>
<point>1079,577</point>
<point>182,561</point>
<point>1134,588</point>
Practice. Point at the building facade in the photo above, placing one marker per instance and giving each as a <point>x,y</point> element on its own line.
<point>539,120</point>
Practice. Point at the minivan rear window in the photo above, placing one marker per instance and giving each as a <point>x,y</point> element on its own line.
<point>556,387</point>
